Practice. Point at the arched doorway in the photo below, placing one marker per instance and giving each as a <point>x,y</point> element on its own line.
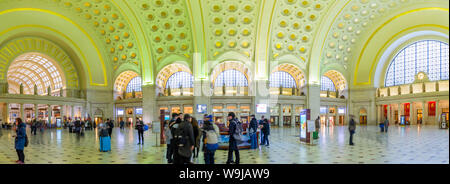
<point>362,116</point>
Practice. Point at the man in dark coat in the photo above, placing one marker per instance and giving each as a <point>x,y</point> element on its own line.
<point>351,128</point>
<point>233,145</point>
<point>110,126</point>
<point>253,132</point>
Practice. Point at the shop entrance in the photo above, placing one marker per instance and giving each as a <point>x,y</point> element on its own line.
<point>98,120</point>
<point>363,120</point>
<point>341,120</point>
<point>323,120</point>
<point>274,120</point>
<point>287,120</point>
<point>419,116</point>
<point>297,120</point>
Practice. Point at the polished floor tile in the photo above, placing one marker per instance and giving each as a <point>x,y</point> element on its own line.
<point>401,145</point>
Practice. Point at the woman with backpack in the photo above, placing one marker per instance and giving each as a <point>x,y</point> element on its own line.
<point>211,136</point>
<point>21,140</point>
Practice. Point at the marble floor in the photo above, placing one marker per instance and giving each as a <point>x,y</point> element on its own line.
<point>401,145</point>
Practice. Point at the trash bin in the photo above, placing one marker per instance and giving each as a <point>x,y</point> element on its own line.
<point>315,135</point>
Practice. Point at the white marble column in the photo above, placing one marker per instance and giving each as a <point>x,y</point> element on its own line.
<point>149,107</point>
<point>36,111</point>
<point>411,112</point>
<point>7,113</point>
<point>49,109</point>
<point>72,112</point>
<point>313,100</point>
<point>134,115</point>
<point>280,112</point>
<point>336,115</point>
<point>438,113</point>
<point>424,113</point>
<point>389,115</point>
<point>292,115</point>
<point>21,111</point>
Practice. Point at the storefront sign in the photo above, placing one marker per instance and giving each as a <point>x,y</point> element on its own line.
<point>120,112</point>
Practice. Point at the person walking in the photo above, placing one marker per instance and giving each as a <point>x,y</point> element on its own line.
<point>211,136</point>
<point>33,126</point>
<point>110,126</point>
<point>233,144</point>
<point>386,125</point>
<point>351,128</point>
<point>253,129</point>
<point>184,141</point>
<point>260,123</point>
<point>140,129</point>
<point>266,132</point>
<point>70,126</point>
<point>122,124</point>
<point>105,139</point>
<point>197,135</point>
<point>21,140</point>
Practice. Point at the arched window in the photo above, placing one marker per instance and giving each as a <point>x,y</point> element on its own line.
<point>231,78</point>
<point>428,56</point>
<point>283,79</point>
<point>326,84</point>
<point>35,69</point>
<point>180,79</point>
<point>134,84</point>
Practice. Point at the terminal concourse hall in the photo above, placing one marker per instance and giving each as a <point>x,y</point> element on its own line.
<point>292,62</point>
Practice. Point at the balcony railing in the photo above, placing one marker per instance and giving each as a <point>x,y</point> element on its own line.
<point>415,88</point>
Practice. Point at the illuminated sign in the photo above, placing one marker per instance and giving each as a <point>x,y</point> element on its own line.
<point>261,108</point>
<point>120,112</point>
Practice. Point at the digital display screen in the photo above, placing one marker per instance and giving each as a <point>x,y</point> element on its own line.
<point>120,112</point>
<point>167,117</point>
<point>261,108</point>
<point>201,108</point>
<point>303,126</point>
<point>341,110</point>
<point>323,110</point>
<point>139,111</point>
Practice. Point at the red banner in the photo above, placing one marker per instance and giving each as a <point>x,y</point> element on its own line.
<point>406,109</point>
<point>431,108</point>
<point>385,111</point>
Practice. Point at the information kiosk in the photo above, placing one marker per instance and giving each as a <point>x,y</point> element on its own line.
<point>305,136</point>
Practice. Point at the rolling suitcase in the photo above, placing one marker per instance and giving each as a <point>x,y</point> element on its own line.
<point>105,144</point>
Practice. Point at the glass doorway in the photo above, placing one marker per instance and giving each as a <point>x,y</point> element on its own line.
<point>287,120</point>
<point>274,120</point>
<point>419,116</point>
<point>363,120</point>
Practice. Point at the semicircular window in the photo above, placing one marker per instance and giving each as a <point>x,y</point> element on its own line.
<point>282,79</point>
<point>180,79</point>
<point>231,78</point>
<point>135,84</point>
<point>326,84</point>
<point>428,56</point>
